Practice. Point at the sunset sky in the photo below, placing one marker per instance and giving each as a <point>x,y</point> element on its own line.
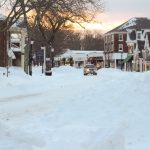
<point>119,11</point>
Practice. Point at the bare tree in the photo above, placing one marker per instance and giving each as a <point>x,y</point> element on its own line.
<point>56,15</point>
<point>64,39</point>
<point>92,41</point>
<point>19,9</point>
<point>51,15</point>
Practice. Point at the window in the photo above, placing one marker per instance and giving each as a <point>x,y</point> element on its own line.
<point>120,37</point>
<point>120,46</point>
<point>112,47</point>
<point>105,38</point>
<point>112,37</point>
<point>139,36</point>
<point>108,38</point>
<point>105,46</point>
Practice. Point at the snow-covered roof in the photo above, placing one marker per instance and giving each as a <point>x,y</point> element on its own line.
<point>82,53</point>
<point>15,40</point>
<point>2,17</point>
<point>16,49</point>
<point>17,26</point>
<point>133,23</point>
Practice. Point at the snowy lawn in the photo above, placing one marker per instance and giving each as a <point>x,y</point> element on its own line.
<point>69,111</point>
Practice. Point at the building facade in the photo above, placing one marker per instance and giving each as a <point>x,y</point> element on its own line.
<point>138,42</point>
<point>17,45</point>
<point>131,38</point>
<point>81,57</point>
<point>115,41</point>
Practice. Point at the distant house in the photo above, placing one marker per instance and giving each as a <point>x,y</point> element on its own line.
<point>138,42</point>
<point>17,45</point>
<point>3,43</point>
<point>115,43</point>
<point>81,57</point>
<point>12,44</point>
<point>133,38</point>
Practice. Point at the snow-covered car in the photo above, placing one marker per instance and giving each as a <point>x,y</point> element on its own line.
<point>90,69</point>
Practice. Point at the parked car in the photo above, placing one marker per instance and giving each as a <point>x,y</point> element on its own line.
<point>90,69</point>
<point>99,65</point>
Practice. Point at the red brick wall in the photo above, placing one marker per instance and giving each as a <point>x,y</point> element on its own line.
<point>117,42</point>
<point>3,47</point>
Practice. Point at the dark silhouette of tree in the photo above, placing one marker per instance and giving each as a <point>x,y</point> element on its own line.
<point>92,41</point>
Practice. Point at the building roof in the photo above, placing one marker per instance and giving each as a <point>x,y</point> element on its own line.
<point>82,53</point>
<point>133,23</point>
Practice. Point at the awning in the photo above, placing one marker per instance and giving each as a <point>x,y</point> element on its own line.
<point>128,58</point>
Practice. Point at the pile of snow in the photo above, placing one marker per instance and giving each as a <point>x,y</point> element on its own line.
<point>68,110</point>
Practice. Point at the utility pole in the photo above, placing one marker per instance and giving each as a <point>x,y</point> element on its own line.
<point>44,57</point>
<point>121,52</point>
<point>30,58</point>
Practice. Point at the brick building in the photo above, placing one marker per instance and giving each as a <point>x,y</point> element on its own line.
<point>115,40</point>
<point>131,39</point>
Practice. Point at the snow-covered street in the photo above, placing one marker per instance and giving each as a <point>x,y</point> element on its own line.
<point>70,111</point>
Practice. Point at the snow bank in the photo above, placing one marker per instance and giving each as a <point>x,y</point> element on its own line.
<point>71,111</point>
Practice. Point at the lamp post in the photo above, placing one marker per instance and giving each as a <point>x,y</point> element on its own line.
<point>44,56</point>
<point>52,51</point>
<point>108,52</point>
<point>30,57</point>
<point>104,58</point>
<point>87,58</point>
<point>60,61</point>
<point>121,52</point>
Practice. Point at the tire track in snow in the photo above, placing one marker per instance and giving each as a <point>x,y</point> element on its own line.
<point>18,97</point>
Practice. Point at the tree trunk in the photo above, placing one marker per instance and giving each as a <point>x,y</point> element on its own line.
<point>26,59</point>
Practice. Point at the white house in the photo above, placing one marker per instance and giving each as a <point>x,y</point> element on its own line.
<point>81,57</point>
<point>17,44</point>
<point>138,42</point>
<point>133,38</point>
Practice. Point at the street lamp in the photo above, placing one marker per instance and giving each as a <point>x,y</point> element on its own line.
<point>121,52</point>
<point>52,51</point>
<point>108,53</point>
<point>30,57</point>
<point>44,56</point>
<point>59,60</point>
<point>104,59</point>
